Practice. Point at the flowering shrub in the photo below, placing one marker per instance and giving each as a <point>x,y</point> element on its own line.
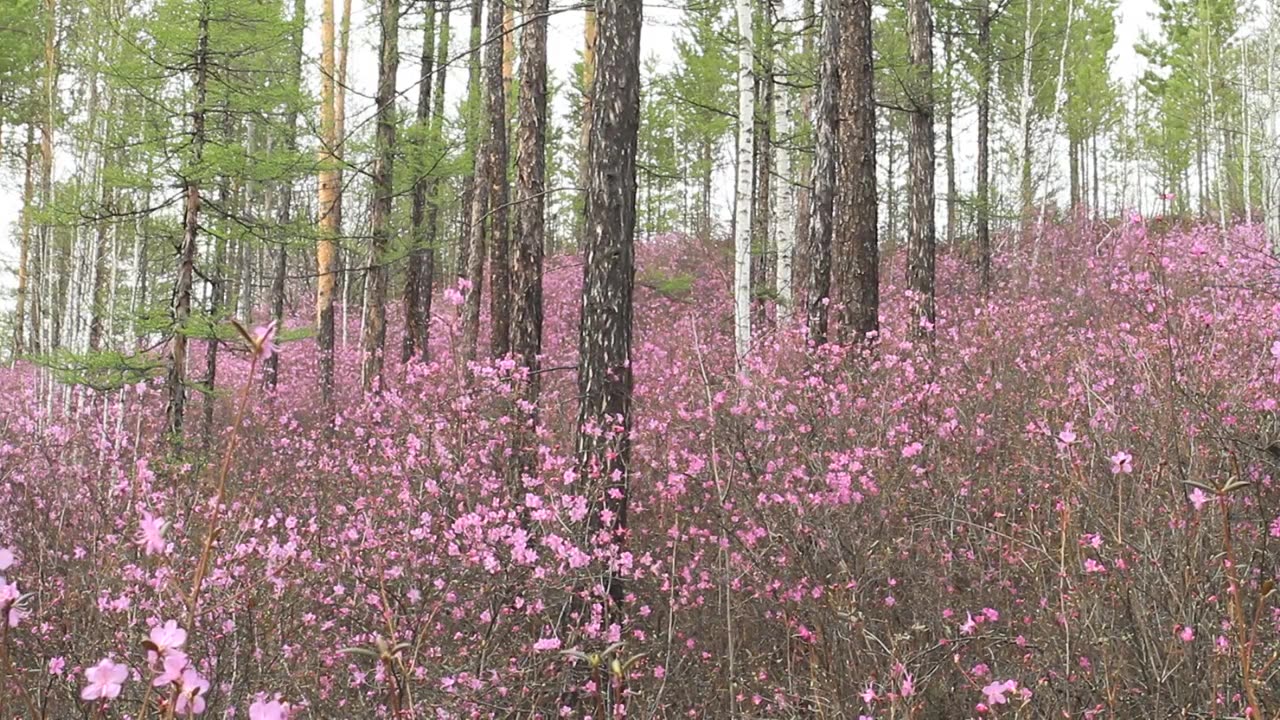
<point>1064,506</point>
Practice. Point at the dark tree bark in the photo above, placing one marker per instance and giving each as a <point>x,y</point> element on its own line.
<point>826,126</point>
<point>857,212</point>
<point>475,105</point>
<point>922,236</point>
<point>271,371</point>
<point>982,231</point>
<point>1073,160</point>
<point>948,126</point>
<point>375,329</point>
<point>604,344</point>
<point>530,232</point>
<point>217,293</point>
<point>499,239</point>
<point>761,218</point>
<point>421,255</point>
<point>176,382</point>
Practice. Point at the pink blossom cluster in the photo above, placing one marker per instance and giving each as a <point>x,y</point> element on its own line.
<point>1068,487</point>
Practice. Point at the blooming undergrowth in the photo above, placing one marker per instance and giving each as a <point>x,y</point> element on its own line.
<point>1063,506</point>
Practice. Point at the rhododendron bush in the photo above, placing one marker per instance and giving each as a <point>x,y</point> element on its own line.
<point>1062,506</point>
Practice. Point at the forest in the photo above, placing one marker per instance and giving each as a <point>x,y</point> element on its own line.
<point>747,359</point>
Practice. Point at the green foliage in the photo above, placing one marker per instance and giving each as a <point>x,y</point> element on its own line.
<point>101,371</point>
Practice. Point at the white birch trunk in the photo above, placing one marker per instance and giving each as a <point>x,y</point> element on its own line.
<point>786,214</point>
<point>746,175</point>
<point>1248,133</point>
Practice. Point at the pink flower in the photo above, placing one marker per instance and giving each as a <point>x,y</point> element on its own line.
<point>908,686</point>
<point>868,695</point>
<point>175,662</point>
<point>1198,498</point>
<point>151,533</point>
<point>1168,196</point>
<point>547,644</point>
<point>968,626</point>
<point>168,637</point>
<point>1275,352</point>
<point>263,340</point>
<point>1093,566</point>
<point>191,697</point>
<point>995,692</point>
<point>10,596</point>
<point>1187,633</point>
<point>1121,463</point>
<point>1066,438</point>
<point>6,559</point>
<point>105,680</point>
<point>273,710</point>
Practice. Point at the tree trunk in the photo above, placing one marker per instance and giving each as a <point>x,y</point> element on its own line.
<point>476,257</point>
<point>217,289</point>
<point>949,137</point>
<point>475,110</point>
<point>271,370</point>
<point>499,191</point>
<point>1073,161</point>
<point>589,37</point>
<point>786,213</point>
<point>375,330</point>
<point>921,240</point>
<point>821,211</point>
<point>176,382</point>
<point>983,220</point>
<point>1024,120</point>
<point>856,212</point>
<point>531,183</point>
<point>421,256</point>
<point>746,174</point>
<point>329,201</point>
<point>604,345</point>
<point>761,219</point>
<point>24,246</point>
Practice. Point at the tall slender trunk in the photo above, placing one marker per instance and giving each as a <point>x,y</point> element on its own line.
<point>589,38</point>
<point>474,121</point>
<point>856,211</point>
<point>375,330</point>
<point>24,244</point>
<point>826,126</point>
<point>762,214</point>
<point>176,382</point>
<point>1245,99</point>
<point>43,275</point>
<point>949,135</point>
<point>435,187</point>
<point>921,240</point>
<point>499,190</point>
<point>783,284</point>
<point>746,174</point>
<point>475,260</point>
<point>982,229</point>
<point>604,345</point>
<point>530,234</point>
<point>329,201</point>
<point>421,256</point>
<point>1073,162</point>
<point>1024,119</point>
<point>217,291</point>
<point>271,370</point>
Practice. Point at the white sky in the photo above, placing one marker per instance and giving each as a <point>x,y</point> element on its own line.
<point>662,17</point>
